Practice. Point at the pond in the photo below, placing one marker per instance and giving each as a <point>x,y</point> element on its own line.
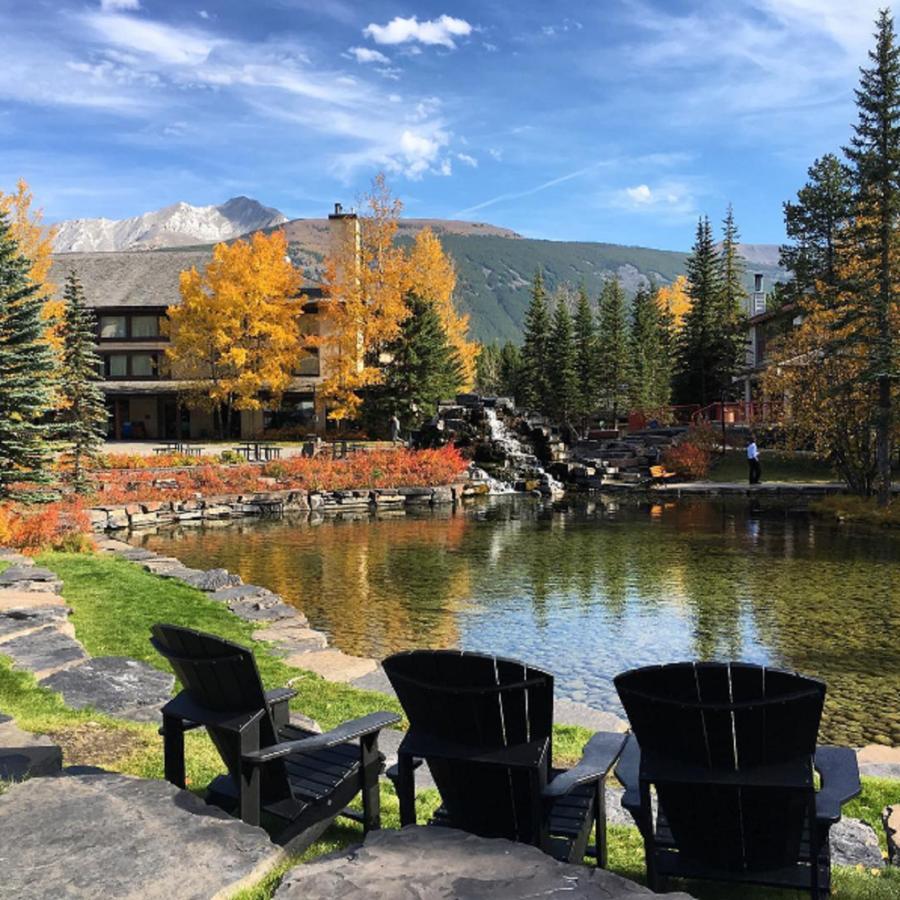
<point>587,590</point>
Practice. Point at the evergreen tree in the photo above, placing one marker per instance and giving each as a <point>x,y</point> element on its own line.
<point>564,374</point>
<point>585,337</point>
<point>650,364</point>
<point>83,410</point>
<point>613,350</point>
<point>712,339</point>
<point>731,263</point>
<point>487,369</point>
<point>536,389</point>
<point>510,371</point>
<point>26,372</point>
<point>824,205</point>
<point>423,370</point>
<point>871,305</point>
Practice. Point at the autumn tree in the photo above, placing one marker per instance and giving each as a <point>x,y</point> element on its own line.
<point>26,371</point>
<point>83,410</point>
<point>613,349</point>
<point>564,372</point>
<point>536,388</point>
<point>236,334</point>
<point>674,300</point>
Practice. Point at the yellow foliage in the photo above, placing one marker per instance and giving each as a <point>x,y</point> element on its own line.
<point>675,300</point>
<point>35,242</point>
<point>236,332</point>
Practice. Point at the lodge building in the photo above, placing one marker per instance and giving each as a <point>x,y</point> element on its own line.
<point>130,293</point>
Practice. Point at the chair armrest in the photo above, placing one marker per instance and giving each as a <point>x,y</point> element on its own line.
<point>839,770</point>
<point>280,695</point>
<point>600,752</point>
<point>346,731</point>
<point>628,772</point>
<point>185,708</point>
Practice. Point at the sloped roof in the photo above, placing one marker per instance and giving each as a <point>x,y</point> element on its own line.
<point>133,278</point>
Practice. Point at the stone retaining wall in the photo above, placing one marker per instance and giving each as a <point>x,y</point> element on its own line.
<point>152,513</point>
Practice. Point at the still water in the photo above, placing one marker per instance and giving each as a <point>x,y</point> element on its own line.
<point>587,590</point>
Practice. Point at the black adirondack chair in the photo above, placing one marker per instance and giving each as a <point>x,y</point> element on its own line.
<point>484,726</point>
<point>302,780</point>
<point>730,750</point>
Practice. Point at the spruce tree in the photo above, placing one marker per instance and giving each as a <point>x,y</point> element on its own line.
<point>585,357</point>
<point>536,390</point>
<point>487,369</point>
<point>869,315</point>
<point>83,410</point>
<point>731,263</point>
<point>613,350</point>
<point>650,367</point>
<point>563,374</point>
<point>26,373</point>
<point>423,370</point>
<point>510,370</point>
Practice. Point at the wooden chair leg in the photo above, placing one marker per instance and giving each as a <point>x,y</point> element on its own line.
<point>370,764</point>
<point>173,750</point>
<point>406,789</point>
<point>600,824</point>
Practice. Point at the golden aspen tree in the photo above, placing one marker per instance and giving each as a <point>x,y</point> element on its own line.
<point>433,278</point>
<point>236,334</point>
<point>675,300</point>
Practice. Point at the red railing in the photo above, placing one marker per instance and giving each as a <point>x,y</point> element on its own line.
<point>753,412</point>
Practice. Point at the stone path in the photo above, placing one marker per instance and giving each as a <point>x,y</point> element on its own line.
<point>25,755</point>
<point>443,863</point>
<point>107,835</point>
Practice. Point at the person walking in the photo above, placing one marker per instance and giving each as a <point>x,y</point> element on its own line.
<point>753,461</point>
<point>395,428</point>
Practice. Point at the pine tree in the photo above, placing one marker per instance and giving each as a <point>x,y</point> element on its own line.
<point>872,304</point>
<point>711,339</point>
<point>510,371</point>
<point>83,410</point>
<point>650,364</point>
<point>585,336</point>
<point>564,374</point>
<point>423,370</point>
<point>536,390</point>
<point>26,372</point>
<point>613,356</point>
<point>731,263</point>
<point>487,369</point>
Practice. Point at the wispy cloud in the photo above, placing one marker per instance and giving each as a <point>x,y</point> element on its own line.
<point>112,5</point>
<point>366,55</point>
<point>435,32</point>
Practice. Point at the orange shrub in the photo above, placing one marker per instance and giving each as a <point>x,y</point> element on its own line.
<point>63,525</point>
<point>689,459</point>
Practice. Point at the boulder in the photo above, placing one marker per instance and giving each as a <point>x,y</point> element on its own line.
<point>442,494</point>
<point>425,861</point>
<point>243,592</point>
<point>117,519</point>
<point>115,685</point>
<point>854,843</point>
<point>213,580</point>
<point>107,835</point>
<point>260,611</point>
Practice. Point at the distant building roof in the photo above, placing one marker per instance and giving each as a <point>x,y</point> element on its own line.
<point>134,278</point>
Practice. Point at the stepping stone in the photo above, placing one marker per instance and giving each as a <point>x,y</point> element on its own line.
<point>292,636</point>
<point>568,712</point>
<point>44,652</point>
<point>375,681</point>
<point>30,578</point>
<point>26,755</point>
<point>333,664</point>
<point>425,861</point>
<point>12,598</point>
<point>115,685</point>
<point>22,620</point>
<point>108,835</point>
<point>854,843</point>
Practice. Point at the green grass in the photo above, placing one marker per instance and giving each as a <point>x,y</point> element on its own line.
<point>776,466</point>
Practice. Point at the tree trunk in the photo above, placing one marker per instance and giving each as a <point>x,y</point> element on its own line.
<point>883,438</point>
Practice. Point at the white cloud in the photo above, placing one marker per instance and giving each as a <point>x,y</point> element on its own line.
<point>440,31</point>
<point>114,5</point>
<point>420,151</point>
<point>670,199</point>
<point>203,13</point>
<point>640,194</point>
<point>468,160</point>
<point>367,55</point>
<point>495,153</point>
<point>167,44</point>
<point>446,167</point>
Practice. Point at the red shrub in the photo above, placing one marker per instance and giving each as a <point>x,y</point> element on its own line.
<point>63,525</point>
<point>689,458</point>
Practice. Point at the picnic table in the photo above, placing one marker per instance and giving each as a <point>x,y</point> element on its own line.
<point>258,451</point>
<point>178,447</point>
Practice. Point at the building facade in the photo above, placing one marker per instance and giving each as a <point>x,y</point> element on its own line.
<point>130,293</point>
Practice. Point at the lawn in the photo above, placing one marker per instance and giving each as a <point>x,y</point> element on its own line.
<point>777,465</point>
<point>114,604</point>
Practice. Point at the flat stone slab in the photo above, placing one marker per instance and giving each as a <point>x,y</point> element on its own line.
<point>107,835</point>
<point>213,580</point>
<point>879,761</point>
<point>30,578</point>
<point>122,687</point>
<point>568,712</point>
<point>243,592</point>
<point>15,558</point>
<point>26,755</point>
<point>15,598</point>
<point>333,664</point>
<point>136,554</point>
<point>262,611</point>
<point>292,636</point>
<point>21,620</point>
<point>44,651</point>
<point>891,817</point>
<point>427,862</point>
<point>376,680</point>
<point>854,843</point>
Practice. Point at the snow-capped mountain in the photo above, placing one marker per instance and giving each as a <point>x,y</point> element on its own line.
<point>178,225</point>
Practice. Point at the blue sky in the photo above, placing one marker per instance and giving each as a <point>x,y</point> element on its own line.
<point>615,120</point>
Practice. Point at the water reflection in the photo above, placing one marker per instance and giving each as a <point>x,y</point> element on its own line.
<point>587,591</point>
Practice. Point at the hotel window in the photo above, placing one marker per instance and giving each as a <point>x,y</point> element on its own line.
<point>115,365</point>
<point>144,326</point>
<point>112,327</point>
<point>143,365</point>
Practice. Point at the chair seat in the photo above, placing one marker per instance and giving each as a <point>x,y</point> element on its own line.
<point>315,775</point>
